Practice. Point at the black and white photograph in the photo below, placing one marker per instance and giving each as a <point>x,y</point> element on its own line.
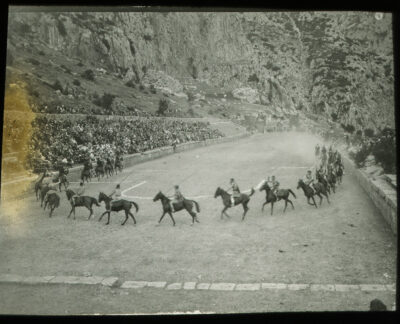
<point>158,161</point>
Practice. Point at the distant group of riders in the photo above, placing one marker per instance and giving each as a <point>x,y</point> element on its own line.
<point>328,172</point>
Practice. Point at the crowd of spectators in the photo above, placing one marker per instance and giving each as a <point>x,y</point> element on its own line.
<point>93,137</point>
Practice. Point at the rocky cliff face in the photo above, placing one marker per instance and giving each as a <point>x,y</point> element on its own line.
<point>339,65</point>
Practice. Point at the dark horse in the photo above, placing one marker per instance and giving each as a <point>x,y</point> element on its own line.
<point>86,173</point>
<point>109,169</point>
<point>339,173</point>
<point>117,206</point>
<point>39,184</point>
<point>226,199</point>
<point>185,204</point>
<point>321,179</point>
<point>331,177</point>
<point>99,169</point>
<point>272,198</point>
<point>83,201</point>
<point>63,181</point>
<point>53,200</point>
<point>309,192</point>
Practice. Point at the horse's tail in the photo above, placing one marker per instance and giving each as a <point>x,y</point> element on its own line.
<point>197,206</point>
<point>290,191</point>
<point>96,202</point>
<point>252,192</point>
<point>136,205</point>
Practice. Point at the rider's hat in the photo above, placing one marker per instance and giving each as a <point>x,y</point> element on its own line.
<point>118,186</point>
<point>176,187</point>
<point>81,183</point>
<point>232,179</point>
<point>309,170</point>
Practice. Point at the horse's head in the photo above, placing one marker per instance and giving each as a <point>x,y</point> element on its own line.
<point>265,187</point>
<point>102,197</point>
<point>300,184</point>
<point>217,192</point>
<point>69,193</point>
<point>158,196</point>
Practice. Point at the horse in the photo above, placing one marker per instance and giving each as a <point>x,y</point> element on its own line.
<point>53,200</point>
<point>117,206</point>
<point>109,169</point>
<point>39,184</point>
<point>118,165</point>
<point>270,197</point>
<point>321,179</point>
<point>186,204</point>
<point>99,171</point>
<point>86,174</point>
<point>83,201</point>
<point>43,191</point>
<point>339,173</point>
<point>309,192</point>
<point>63,181</point>
<point>331,178</point>
<point>243,199</point>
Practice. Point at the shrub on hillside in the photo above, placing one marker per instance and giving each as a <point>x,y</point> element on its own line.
<point>368,132</point>
<point>33,61</point>
<point>61,28</point>
<point>76,82</point>
<point>65,68</point>
<point>57,86</point>
<point>88,75</point>
<point>105,101</point>
<point>162,107</point>
<point>141,87</point>
<point>130,84</point>
<point>80,64</point>
<point>384,150</point>
<point>153,89</point>
<point>253,78</point>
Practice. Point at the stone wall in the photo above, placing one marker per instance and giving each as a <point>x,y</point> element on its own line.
<point>383,196</point>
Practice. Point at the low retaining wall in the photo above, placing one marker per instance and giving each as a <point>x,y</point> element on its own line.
<point>133,159</point>
<point>384,199</point>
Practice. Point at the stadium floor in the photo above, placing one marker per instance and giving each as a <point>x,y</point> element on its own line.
<point>346,242</point>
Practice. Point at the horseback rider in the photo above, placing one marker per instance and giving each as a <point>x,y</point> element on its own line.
<point>317,150</point>
<point>115,195</point>
<point>52,189</point>
<point>177,197</point>
<point>235,191</point>
<point>79,192</point>
<point>274,186</point>
<point>309,180</point>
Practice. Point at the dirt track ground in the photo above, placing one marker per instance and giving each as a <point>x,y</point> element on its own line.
<point>346,242</point>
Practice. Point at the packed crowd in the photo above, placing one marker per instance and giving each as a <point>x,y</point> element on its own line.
<point>91,137</point>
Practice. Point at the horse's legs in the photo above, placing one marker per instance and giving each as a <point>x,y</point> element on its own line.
<point>262,208</point>
<point>91,212</point>
<point>327,198</point>
<point>312,197</point>
<point>133,217</point>
<point>170,215</point>
<point>51,210</point>
<point>102,215</point>
<point>126,217</point>
<point>162,216</point>
<point>223,212</point>
<point>245,210</point>
<point>272,207</point>
<point>108,217</point>
<point>290,203</point>
<point>285,205</point>
<point>72,208</point>
<point>320,199</point>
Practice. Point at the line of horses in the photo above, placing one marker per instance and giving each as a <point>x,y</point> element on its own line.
<point>324,187</point>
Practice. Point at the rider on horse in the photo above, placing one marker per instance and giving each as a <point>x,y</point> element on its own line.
<point>177,198</point>
<point>79,192</point>
<point>274,185</point>
<point>115,195</point>
<point>309,180</point>
<point>317,150</point>
<point>235,191</point>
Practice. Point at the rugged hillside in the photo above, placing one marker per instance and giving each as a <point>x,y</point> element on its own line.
<point>338,65</point>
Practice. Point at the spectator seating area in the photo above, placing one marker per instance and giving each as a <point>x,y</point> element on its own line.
<point>92,137</point>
